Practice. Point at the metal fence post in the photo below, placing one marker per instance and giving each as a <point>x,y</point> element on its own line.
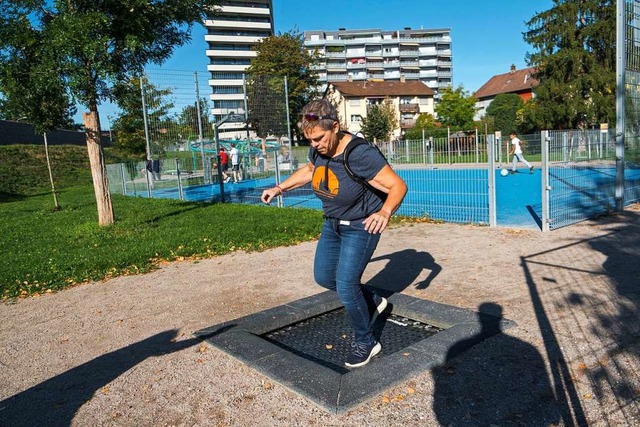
<point>180,192</point>
<point>491,175</point>
<point>146,135</point>
<point>124,180</point>
<point>546,188</point>
<point>278,178</point>
<point>620,108</point>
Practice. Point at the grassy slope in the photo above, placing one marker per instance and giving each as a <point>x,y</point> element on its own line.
<point>45,250</point>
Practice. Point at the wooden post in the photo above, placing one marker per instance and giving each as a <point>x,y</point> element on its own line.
<point>98,168</point>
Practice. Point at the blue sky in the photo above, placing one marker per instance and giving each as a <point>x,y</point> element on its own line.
<point>486,35</point>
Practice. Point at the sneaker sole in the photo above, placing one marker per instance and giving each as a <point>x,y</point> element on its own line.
<point>374,351</point>
<point>379,310</point>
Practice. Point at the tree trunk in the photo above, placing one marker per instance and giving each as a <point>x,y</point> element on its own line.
<point>56,206</point>
<point>98,168</point>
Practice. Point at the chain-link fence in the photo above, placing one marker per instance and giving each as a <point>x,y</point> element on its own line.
<point>453,179</point>
<point>629,100</point>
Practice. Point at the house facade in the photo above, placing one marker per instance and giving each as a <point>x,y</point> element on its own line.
<point>519,82</point>
<point>354,99</point>
<point>359,55</point>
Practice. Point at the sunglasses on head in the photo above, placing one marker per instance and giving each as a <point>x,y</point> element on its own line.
<point>312,117</point>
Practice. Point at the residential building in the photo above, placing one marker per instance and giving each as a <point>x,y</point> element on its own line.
<point>232,33</point>
<point>360,55</point>
<point>353,100</point>
<point>519,82</point>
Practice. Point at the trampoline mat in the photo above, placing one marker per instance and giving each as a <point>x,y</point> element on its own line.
<point>326,339</point>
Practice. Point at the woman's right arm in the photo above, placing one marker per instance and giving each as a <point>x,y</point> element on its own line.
<point>299,178</point>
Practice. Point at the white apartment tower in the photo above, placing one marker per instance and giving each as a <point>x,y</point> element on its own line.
<point>232,32</point>
<point>351,55</point>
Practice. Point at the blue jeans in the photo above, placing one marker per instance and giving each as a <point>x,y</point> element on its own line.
<point>342,254</point>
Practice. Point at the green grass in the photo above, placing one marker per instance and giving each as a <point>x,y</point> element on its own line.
<point>23,168</point>
<point>44,250</point>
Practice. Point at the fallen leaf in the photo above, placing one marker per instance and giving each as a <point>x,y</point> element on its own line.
<point>105,390</point>
<point>267,385</point>
<point>328,346</point>
<point>411,390</point>
<point>406,354</point>
<point>202,348</point>
<point>385,399</point>
<point>587,396</point>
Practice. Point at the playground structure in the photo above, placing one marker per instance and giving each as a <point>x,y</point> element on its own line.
<point>248,149</point>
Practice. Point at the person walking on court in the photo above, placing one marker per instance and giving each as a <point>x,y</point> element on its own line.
<point>516,151</point>
<point>235,163</point>
<point>223,164</point>
<point>356,212</point>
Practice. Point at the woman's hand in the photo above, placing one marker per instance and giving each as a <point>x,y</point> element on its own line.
<point>377,222</point>
<point>269,194</point>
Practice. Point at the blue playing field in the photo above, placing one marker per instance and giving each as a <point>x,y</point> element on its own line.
<point>459,196</point>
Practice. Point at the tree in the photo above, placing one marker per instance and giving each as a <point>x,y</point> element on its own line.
<point>381,120</point>
<point>188,118</point>
<point>426,122</point>
<point>575,57</point>
<point>30,94</point>
<point>92,45</point>
<point>456,108</point>
<point>504,109</point>
<point>129,125</point>
<point>277,57</point>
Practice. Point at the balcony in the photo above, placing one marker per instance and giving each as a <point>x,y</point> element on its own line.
<point>407,123</point>
<point>409,108</point>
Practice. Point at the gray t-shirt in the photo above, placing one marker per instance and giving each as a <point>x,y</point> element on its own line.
<point>343,197</point>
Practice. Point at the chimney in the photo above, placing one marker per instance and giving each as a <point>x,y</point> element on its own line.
<point>513,69</point>
<point>350,78</point>
<point>402,79</point>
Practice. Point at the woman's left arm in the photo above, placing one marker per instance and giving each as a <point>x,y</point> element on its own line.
<point>390,183</point>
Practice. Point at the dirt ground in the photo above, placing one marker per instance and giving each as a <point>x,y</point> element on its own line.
<point>121,353</point>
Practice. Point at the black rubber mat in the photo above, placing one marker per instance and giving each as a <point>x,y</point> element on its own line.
<point>326,339</point>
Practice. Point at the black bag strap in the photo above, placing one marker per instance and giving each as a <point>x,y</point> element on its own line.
<point>356,141</point>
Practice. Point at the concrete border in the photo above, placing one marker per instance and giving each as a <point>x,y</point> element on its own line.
<point>332,391</point>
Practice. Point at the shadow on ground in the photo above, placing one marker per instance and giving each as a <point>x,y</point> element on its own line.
<point>55,402</point>
<point>502,381</point>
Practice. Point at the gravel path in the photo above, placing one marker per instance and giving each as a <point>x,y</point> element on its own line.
<point>120,352</point>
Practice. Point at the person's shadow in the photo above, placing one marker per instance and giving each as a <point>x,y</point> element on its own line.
<point>403,268</point>
<point>503,381</point>
<point>55,401</point>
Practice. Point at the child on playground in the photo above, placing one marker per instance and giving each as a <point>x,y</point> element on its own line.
<point>516,151</point>
<point>223,164</point>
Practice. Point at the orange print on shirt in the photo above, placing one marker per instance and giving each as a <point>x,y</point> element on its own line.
<point>329,189</point>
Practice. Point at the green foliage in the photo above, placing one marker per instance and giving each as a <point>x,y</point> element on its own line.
<point>575,48</point>
<point>46,250</point>
<point>23,168</point>
<point>129,125</point>
<point>504,110</point>
<point>431,127</point>
<point>188,119</point>
<point>380,121</point>
<point>277,57</point>
<point>88,44</point>
<point>456,108</point>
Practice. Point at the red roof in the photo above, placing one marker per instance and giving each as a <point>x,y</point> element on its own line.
<point>515,81</point>
<point>384,88</point>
